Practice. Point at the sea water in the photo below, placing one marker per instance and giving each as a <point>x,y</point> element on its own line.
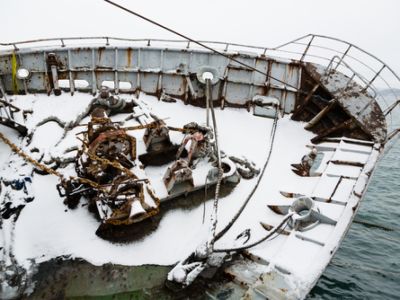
<point>367,264</point>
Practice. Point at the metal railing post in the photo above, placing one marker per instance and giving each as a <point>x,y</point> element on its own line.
<point>308,47</point>
<point>389,109</point>
<point>373,79</point>
<point>341,59</point>
<point>331,62</point>
<point>350,80</point>
<point>343,56</point>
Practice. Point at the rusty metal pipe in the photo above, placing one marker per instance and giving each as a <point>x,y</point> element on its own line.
<point>191,88</point>
<point>214,219</point>
<point>208,100</point>
<point>54,74</point>
<point>3,95</point>
<point>320,115</point>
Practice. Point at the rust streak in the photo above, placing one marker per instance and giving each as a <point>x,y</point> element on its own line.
<point>101,50</point>
<point>276,209</point>
<point>129,56</point>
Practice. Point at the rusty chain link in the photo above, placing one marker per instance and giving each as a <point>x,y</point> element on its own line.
<point>43,167</point>
<point>115,164</point>
<point>28,158</point>
<point>92,156</point>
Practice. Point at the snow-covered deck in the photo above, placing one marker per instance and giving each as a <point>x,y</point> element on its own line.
<point>46,228</point>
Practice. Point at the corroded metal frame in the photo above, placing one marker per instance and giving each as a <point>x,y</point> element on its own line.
<point>369,71</point>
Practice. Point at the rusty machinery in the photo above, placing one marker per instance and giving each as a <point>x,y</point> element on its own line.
<point>106,157</point>
<point>198,144</point>
<point>108,154</point>
<point>159,148</point>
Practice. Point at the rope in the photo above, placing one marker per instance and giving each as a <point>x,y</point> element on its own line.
<point>199,43</point>
<point>43,167</point>
<point>86,181</point>
<point>26,157</point>
<point>273,231</point>
<point>272,138</point>
<point>214,219</point>
<point>205,199</point>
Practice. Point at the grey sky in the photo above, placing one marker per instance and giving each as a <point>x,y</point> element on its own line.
<point>372,25</point>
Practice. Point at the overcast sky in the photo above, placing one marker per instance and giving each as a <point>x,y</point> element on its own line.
<point>372,25</point>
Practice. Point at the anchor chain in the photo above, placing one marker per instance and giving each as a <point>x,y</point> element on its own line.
<point>114,164</point>
<point>43,167</point>
<point>28,158</point>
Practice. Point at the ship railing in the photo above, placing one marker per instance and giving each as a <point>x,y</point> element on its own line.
<point>375,76</point>
<point>109,41</point>
<point>370,72</point>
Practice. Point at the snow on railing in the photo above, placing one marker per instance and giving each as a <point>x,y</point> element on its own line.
<point>376,77</point>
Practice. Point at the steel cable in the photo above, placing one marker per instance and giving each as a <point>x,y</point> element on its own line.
<point>214,219</point>
<point>200,44</point>
<point>233,220</point>
<point>273,231</point>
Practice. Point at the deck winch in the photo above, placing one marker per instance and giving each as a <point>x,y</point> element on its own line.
<point>119,191</point>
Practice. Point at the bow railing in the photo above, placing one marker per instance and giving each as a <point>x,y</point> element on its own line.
<point>375,76</point>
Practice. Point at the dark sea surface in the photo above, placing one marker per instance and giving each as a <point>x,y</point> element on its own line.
<point>367,264</point>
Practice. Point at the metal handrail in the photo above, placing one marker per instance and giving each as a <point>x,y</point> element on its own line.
<point>362,78</point>
<point>341,41</point>
<point>355,73</point>
<point>226,44</point>
<point>148,41</point>
<point>339,52</point>
<point>367,84</point>
<point>312,43</point>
